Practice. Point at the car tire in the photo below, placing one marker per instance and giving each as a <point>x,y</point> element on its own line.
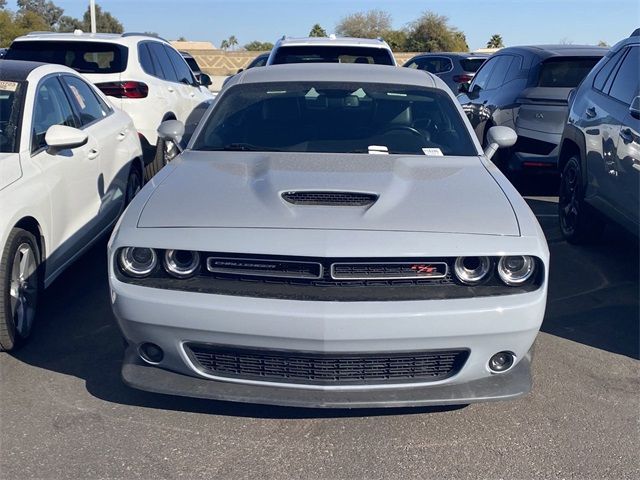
<point>20,280</point>
<point>158,162</point>
<point>134,183</point>
<point>579,222</point>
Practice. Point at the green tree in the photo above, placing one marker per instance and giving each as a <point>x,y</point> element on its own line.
<point>13,25</point>
<point>495,41</point>
<point>602,43</point>
<point>105,22</point>
<point>397,40</point>
<point>233,41</point>
<point>317,31</point>
<point>432,33</point>
<point>370,24</point>
<point>47,10</point>
<point>69,24</point>
<point>224,44</point>
<point>3,3</point>
<point>180,38</point>
<point>257,46</point>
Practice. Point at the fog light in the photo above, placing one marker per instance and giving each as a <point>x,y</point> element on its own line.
<point>151,353</point>
<point>501,362</point>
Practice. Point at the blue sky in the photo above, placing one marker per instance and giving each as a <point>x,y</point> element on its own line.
<point>518,21</point>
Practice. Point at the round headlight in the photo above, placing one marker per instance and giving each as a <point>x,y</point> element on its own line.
<point>137,262</point>
<point>515,270</point>
<point>472,270</point>
<point>181,263</point>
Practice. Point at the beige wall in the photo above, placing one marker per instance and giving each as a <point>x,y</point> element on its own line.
<point>219,62</point>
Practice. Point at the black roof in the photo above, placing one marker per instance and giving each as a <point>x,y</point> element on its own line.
<point>546,51</point>
<point>17,70</point>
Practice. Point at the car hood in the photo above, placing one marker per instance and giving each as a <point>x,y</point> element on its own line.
<point>415,193</point>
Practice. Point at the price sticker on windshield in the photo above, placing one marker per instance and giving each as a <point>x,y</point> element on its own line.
<point>432,152</point>
<point>8,86</point>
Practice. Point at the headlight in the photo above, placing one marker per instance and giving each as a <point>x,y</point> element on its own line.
<point>137,262</point>
<point>515,270</point>
<point>472,270</point>
<point>181,263</point>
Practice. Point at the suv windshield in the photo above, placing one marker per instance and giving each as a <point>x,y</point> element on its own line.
<point>332,54</point>
<point>565,72</point>
<point>84,57</point>
<point>471,64</point>
<point>10,115</point>
<point>335,117</point>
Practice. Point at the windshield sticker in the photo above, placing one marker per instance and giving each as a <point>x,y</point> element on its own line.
<point>378,150</point>
<point>432,152</point>
<point>8,86</point>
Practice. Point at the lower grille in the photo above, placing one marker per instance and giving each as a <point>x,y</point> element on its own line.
<point>329,368</point>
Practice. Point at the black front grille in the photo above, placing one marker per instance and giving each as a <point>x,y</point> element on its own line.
<point>331,199</point>
<point>327,368</point>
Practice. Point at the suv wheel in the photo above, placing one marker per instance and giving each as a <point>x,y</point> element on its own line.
<point>579,222</point>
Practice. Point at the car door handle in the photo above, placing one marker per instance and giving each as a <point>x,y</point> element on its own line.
<point>591,112</point>
<point>121,136</point>
<point>192,94</point>
<point>171,89</point>
<point>626,135</point>
<point>93,153</point>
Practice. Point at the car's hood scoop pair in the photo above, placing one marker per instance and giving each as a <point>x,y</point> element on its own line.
<point>330,198</point>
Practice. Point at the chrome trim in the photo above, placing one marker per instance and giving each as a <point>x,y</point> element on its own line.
<point>172,267</point>
<point>127,265</point>
<point>404,277</point>
<point>263,274</point>
<point>465,275</point>
<point>507,276</point>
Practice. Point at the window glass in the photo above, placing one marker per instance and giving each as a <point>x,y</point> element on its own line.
<point>514,69</point>
<point>625,85</point>
<point>11,95</point>
<point>85,101</point>
<point>185,75</point>
<point>145,60</point>
<point>51,108</point>
<point>605,70</point>
<point>349,117</point>
<point>499,73</point>
<point>162,61</point>
<point>193,65</point>
<point>481,78</point>
<point>259,61</point>
<point>84,57</point>
<point>337,54</point>
<point>471,64</point>
<point>565,72</point>
<point>435,64</point>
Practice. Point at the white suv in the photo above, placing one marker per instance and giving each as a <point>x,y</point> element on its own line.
<point>331,49</point>
<point>143,75</point>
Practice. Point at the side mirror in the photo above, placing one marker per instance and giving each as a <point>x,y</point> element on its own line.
<point>62,137</point>
<point>205,80</point>
<point>634,108</point>
<point>571,96</point>
<point>463,88</point>
<point>172,130</point>
<point>499,137</point>
<point>240,70</point>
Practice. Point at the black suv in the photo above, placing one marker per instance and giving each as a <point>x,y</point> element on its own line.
<point>600,147</point>
<point>526,88</point>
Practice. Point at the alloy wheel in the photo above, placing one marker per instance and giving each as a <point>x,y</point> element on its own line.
<point>23,289</point>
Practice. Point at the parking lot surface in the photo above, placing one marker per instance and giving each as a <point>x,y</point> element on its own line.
<point>64,411</point>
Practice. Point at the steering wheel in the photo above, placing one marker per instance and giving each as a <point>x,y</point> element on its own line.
<point>405,128</point>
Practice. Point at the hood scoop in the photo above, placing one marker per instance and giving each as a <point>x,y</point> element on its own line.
<point>330,198</point>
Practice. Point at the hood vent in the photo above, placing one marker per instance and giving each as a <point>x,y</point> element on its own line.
<point>330,198</point>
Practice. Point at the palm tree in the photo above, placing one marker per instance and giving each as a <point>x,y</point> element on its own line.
<point>224,44</point>
<point>495,41</point>
<point>233,41</point>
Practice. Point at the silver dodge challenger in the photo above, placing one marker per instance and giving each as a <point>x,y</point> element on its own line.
<point>330,236</point>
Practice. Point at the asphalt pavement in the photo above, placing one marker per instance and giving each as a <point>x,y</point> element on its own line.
<point>64,412</point>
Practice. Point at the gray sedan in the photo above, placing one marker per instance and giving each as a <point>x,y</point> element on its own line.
<point>332,236</point>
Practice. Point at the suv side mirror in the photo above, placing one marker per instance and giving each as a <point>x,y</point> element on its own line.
<point>172,130</point>
<point>240,70</point>
<point>634,108</point>
<point>205,80</point>
<point>499,137</point>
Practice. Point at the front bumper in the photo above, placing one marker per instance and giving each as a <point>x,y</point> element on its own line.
<point>484,326</point>
<point>511,385</point>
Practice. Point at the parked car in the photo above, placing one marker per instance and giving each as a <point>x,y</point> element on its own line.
<point>329,249</point>
<point>69,163</point>
<point>3,52</point>
<point>259,61</point>
<point>143,75</point>
<point>331,50</point>
<point>455,69</point>
<point>201,77</point>
<point>526,88</point>
<point>600,147</point>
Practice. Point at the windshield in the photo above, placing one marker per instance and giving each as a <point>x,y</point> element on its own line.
<point>471,64</point>
<point>565,72</point>
<point>336,117</point>
<point>332,54</point>
<point>10,115</point>
<point>84,57</point>
<point>193,65</point>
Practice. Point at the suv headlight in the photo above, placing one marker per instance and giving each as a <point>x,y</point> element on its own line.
<point>137,262</point>
<point>516,269</point>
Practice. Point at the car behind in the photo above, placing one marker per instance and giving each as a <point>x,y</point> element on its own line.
<point>455,69</point>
